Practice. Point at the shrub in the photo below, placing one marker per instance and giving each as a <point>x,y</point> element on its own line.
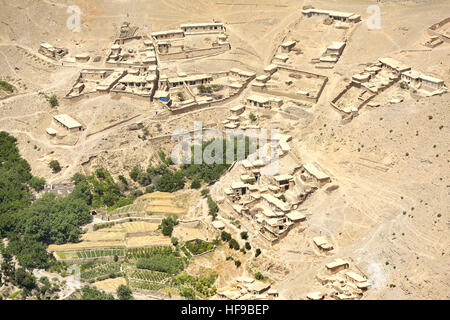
<point>188,293</point>
<point>124,293</point>
<point>37,183</point>
<point>225,236</point>
<point>55,166</point>
<point>123,180</point>
<point>53,100</point>
<point>195,184</point>
<point>134,173</point>
<point>150,189</point>
<point>237,263</point>
<point>205,192</point>
<point>233,244</point>
<point>259,276</point>
<point>257,252</point>
<point>213,208</point>
<point>199,246</point>
<point>167,225</point>
<point>5,86</point>
<point>252,117</point>
<point>244,235</point>
<point>248,246</point>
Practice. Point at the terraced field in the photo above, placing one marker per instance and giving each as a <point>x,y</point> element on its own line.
<point>100,270</point>
<point>87,254</point>
<point>147,275</point>
<point>138,253</point>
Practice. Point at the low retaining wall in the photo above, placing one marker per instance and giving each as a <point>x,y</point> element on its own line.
<point>117,93</point>
<point>292,95</point>
<point>195,53</point>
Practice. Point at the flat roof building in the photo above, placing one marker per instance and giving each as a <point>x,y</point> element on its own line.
<point>321,177</point>
<point>208,27</point>
<point>168,34</point>
<point>337,265</point>
<point>335,15</point>
<point>393,65</point>
<point>68,122</point>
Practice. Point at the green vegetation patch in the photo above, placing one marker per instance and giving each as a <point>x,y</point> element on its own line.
<point>161,263</point>
<point>7,87</point>
<point>199,246</point>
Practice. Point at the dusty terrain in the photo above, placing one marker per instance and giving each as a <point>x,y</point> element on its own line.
<point>390,214</point>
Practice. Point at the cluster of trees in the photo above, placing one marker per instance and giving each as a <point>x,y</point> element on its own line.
<point>164,179</point>
<point>167,225</point>
<point>24,279</point>
<point>233,244</point>
<point>168,178</point>
<point>92,293</point>
<point>203,286</point>
<point>213,208</point>
<point>19,277</point>
<point>209,173</point>
<point>124,293</point>
<point>100,190</point>
<point>161,263</point>
<point>199,246</point>
<point>31,226</point>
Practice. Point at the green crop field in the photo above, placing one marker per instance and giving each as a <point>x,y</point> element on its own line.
<point>88,254</point>
<point>147,275</point>
<point>138,253</point>
<point>100,269</point>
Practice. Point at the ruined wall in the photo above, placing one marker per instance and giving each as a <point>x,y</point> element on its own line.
<point>434,29</point>
<point>293,95</point>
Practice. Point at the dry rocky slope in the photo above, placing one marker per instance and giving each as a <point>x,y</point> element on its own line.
<point>390,214</point>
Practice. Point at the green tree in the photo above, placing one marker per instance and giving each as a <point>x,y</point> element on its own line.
<point>24,279</point>
<point>92,293</point>
<point>233,244</point>
<point>167,225</point>
<point>195,184</point>
<point>225,236</point>
<point>134,173</point>
<point>55,166</point>
<point>187,293</point>
<point>259,276</point>
<point>37,183</point>
<point>204,192</point>
<point>170,182</point>
<point>213,208</point>
<point>124,293</point>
